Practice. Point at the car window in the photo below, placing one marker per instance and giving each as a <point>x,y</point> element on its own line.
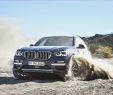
<point>55,41</point>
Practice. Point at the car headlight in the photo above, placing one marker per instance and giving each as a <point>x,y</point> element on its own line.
<point>60,53</point>
<point>19,53</point>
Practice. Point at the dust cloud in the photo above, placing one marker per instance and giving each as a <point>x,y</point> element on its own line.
<point>96,68</point>
<point>11,38</point>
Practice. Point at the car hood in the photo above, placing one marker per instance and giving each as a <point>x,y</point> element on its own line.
<point>48,48</point>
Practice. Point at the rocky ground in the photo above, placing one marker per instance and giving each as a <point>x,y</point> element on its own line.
<point>51,85</point>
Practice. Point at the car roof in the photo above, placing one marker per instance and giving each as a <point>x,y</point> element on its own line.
<point>59,36</point>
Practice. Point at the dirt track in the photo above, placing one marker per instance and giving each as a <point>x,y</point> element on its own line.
<point>50,86</point>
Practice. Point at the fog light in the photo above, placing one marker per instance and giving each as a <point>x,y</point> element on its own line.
<point>60,61</point>
<point>17,62</point>
<point>58,64</point>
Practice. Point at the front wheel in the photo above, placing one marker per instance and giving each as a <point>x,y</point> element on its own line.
<point>69,70</point>
<point>78,69</point>
<point>20,75</point>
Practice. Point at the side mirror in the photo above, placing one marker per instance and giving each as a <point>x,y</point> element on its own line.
<point>81,46</point>
<point>31,45</point>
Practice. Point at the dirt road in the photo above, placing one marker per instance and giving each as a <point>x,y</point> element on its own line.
<point>52,86</point>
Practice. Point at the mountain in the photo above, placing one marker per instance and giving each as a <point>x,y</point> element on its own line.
<point>105,40</point>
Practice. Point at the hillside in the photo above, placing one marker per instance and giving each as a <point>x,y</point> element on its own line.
<point>105,40</point>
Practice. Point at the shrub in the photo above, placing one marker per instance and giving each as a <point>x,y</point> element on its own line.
<point>93,47</point>
<point>100,51</point>
<point>105,52</point>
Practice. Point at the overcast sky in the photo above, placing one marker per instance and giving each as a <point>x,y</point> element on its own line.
<point>65,17</point>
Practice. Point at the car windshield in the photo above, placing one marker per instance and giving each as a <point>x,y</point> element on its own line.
<point>55,41</point>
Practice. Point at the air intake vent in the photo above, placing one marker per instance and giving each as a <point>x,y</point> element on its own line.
<point>41,55</point>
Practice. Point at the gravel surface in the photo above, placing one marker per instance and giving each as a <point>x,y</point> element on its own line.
<point>51,85</point>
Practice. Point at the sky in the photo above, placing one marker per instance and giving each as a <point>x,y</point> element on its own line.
<point>38,18</point>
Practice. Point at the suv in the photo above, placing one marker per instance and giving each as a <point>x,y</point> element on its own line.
<point>48,55</point>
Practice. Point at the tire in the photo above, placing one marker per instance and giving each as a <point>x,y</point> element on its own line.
<point>61,76</point>
<point>20,75</point>
<point>84,70</point>
<point>77,71</point>
<point>69,73</point>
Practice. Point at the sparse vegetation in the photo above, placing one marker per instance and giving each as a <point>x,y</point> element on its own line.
<point>101,51</point>
<point>105,52</point>
<point>93,47</point>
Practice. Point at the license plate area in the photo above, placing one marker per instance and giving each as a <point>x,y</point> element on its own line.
<point>33,63</point>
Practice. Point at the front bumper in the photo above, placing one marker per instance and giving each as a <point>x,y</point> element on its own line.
<point>48,68</point>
